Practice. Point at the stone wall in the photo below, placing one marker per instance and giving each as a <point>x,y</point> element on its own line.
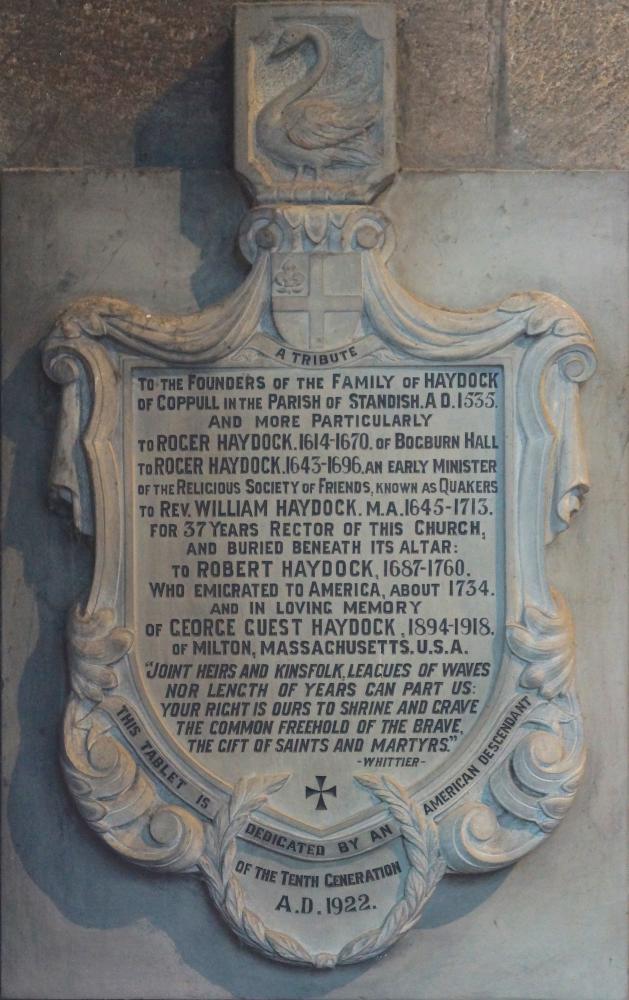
<point>482,83</point>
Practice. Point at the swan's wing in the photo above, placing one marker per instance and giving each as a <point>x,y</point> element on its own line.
<point>317,123</point>
<point>353,91</point>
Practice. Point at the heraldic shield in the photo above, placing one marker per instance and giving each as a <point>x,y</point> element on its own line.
<point>320,664</point>
<point>317,298</point>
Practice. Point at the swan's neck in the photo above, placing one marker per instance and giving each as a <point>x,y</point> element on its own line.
<point>307,82</point>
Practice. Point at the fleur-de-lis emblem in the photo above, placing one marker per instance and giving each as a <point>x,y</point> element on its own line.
<point>289,279</point>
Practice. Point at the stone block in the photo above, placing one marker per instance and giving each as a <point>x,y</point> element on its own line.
<point>116,84</point>
<point>311,123</point>
<point>445,83</point>
<point>566,84</point>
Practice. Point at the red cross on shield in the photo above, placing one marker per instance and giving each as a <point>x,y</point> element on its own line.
<point>317,298</point>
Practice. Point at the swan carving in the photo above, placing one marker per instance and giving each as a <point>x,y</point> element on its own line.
<point>315,132</point>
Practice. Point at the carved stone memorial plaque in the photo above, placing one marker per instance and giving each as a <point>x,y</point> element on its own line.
<point>321,665</point>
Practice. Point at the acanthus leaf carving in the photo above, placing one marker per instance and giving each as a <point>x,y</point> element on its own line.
<point>111,790</point>
<point>544,313</point>
<point>542,779</point>
<point>546,642</point>
<point>94,644</point>
<point>527,795</point>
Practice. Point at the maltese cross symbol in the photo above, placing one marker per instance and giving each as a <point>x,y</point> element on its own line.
<point>320,791</point>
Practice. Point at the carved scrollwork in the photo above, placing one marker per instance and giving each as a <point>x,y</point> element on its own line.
<point>266,229</point>
<point>315,228</point>
<point>119,802</point>
<point>526,797</point>
<point>551,372</point>
<point>94,644</point>
<point>546,642</point>
<point>110,789</point>
<point>539,780</point>
<point>531,780</point>
<point>474,837</point>
<point>544,313</point>
<point>473,840</point>
<point>531,790</point>
<point>368,229</point>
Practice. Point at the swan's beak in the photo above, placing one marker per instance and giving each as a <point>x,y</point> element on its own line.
<point>282,46</point>
<point>277,51</point>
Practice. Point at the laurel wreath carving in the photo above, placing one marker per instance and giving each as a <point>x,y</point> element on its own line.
<point>421,841</point>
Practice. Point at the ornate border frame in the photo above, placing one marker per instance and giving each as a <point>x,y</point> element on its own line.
<point>536,764</point>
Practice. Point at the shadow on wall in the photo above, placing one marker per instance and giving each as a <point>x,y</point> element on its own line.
<point>190,129</point>
<point>191,125</point>
<point>212,207</point>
